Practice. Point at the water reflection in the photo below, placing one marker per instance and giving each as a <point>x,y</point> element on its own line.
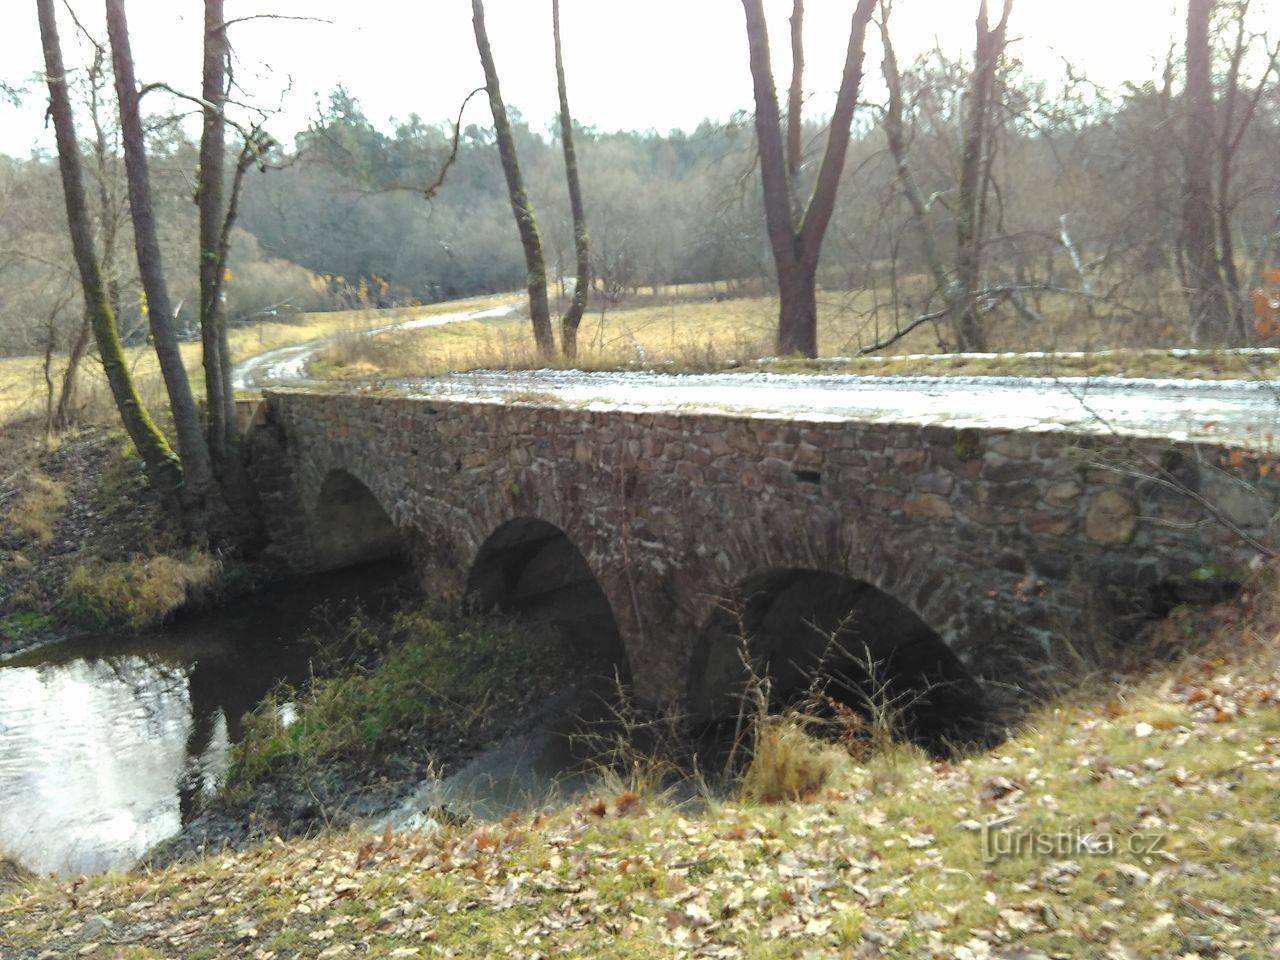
<point>104,746</point>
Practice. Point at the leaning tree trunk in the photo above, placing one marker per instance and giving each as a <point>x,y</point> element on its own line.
<point>581,282</point>
<point>795,107</point>
<point>161,464</point>
<point>199,491</point>
<point>530,240</point>
<point>63,413</point>
<point>1206,300</point>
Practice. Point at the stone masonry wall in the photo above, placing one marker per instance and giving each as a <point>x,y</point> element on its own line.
<point>1000,541</point>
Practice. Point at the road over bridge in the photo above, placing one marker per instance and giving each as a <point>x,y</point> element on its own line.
<point>968,529</point>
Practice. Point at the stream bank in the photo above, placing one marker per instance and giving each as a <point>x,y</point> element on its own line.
<point>321,703</point>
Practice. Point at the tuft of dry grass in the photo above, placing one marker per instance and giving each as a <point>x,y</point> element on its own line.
<point>140,592</point>
<point>36,509</point>
<point>787,763</point>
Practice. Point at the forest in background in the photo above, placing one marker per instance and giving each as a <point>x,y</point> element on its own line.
<point>1082,206</point>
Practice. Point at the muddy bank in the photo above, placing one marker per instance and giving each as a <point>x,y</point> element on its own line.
<point>526,744</point>
<point>521,755</point>
<point>85,548</point>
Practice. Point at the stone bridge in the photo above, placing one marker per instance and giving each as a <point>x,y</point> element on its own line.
<point>954,550</point>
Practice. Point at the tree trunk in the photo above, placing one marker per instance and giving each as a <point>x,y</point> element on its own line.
<point>213,145</point>
<point>1238,113</point>
<point>1206,300</point>
<point>582,249</point>
<point>895,134</point>
<point>530,240</point>
<point>966,322</point>
<point>795,106</point>
<point>62,414</point>
<point>199,489</point>
<point>798,313</point>
<point>796,247</point>
<point>161,464</point>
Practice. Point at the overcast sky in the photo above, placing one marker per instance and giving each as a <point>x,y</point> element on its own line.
<point>632,64</point>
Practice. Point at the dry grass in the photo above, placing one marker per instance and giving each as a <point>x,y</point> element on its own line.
<point>696,335</point>
<point>688,329</point>
<point>138,593</point>
<point>22,389</point>
<point>787,764</point>
<point>36,509</point>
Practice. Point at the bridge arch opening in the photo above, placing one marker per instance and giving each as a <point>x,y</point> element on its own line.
<point>351,527</point>
<point>531,570</point>
<point>810,630</point>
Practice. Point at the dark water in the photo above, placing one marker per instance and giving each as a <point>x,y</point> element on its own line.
<point>104,744</point>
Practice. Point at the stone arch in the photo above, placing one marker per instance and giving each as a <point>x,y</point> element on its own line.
<point>349,524</point>
<point>531,569</point>
<point>826,538</point>
<point>800,623</point>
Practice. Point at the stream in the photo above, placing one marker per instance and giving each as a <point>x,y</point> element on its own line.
<point>106,742</point>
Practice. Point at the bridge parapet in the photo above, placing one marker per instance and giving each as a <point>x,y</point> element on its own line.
<point>1001,542</point>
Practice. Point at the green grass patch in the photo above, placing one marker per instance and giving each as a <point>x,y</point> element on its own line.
<point>20,627</point>
<point>415,673</point>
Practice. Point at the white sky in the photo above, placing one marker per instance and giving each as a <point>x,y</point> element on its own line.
<point>632,64</point>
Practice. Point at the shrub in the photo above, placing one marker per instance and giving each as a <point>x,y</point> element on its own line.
<point>140,592</point>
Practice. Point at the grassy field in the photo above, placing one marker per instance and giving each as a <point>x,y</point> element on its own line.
<point>677,331</point>
<point>688,328</point>
<point>22,388</point>
<point>1133,819</point>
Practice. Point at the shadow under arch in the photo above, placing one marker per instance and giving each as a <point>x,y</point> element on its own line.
<point>350,525</point>
<point>810,627</point>
<point>531,570</point>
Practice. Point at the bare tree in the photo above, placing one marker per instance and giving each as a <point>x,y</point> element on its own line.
<point>161,463</point>
<point>1206,298</point>
<point>200,495</point>
<point>795,106</point>
<point>974,176</point>
<point>582,250</point>
<point>109,221</point>
<point>211,201</point>
<point>1239,108</point>
<point>797,243</point>
<point>530,239</point>
<point>960,287</point>
<point>522,208</point>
